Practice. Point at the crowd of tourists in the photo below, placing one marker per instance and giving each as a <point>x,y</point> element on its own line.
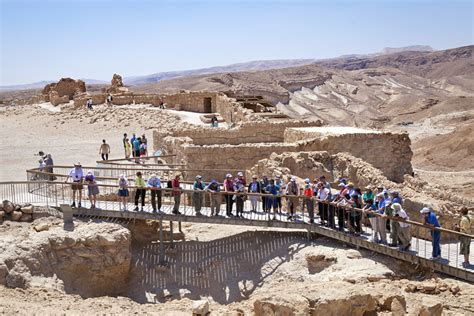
<point>344,209</point>
<point>135,146</point>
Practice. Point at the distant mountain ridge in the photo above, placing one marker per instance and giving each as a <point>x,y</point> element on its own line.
<point>238,67</point>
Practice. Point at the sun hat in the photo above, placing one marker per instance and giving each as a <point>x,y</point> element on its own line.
<point>424,210</point>
<point>240,174</point>
<point>306,180</point>
<point>277,177</point>
<point>341,185</point>
<point>254,177</point>
<point>198,177</point>
<point>350,184</point>
<point>396,206</point>
<point>77,164</point>
<point>293,179</point>
<point>228,175</point>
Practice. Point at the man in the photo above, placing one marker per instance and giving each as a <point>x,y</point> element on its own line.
<point>381,227</point>
<point>77,176</point>
<point>104,150</point>
<point>465,228</point>
<point>239,188</point>
<point>48,161</point>
<point>214,189</point>
<point>254,187</point>
<point>125,142</point>
<point>132,140</point>
<point>280,184</point>
<point>176,193</point>
<point>197,196</point>
<point>323,198</point>
<point>154,183</point>
<point>263,184</point>
<point>274,190</point>
<point>136,146</point>
<point>109,99</point>
<point>141,191</point>
<point>404,228</point>
<point>293,190</point>
<point>432,221</point>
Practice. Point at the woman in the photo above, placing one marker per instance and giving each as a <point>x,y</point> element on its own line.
<point>123,192</point>
<point>239,187</point>
<point>128,148</point>
<point>404,231</point>
<point>228,188</point>
<point>254,187</point>
<point>92,188</point>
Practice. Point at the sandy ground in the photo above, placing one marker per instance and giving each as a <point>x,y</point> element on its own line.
<point>70,137</point>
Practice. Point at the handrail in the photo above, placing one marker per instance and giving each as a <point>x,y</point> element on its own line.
<point>345,207</point>
<point>134,169</point>
<point>135,158</point>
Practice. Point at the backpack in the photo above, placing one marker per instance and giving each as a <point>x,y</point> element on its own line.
<point>169,184</point>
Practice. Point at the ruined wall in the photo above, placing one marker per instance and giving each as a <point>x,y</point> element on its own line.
<point>245,132</point>
<point>232,111</point>
<point>391,153</point>
<point>190,101</point>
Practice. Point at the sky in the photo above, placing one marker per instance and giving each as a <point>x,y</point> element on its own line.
<point>47,40</point>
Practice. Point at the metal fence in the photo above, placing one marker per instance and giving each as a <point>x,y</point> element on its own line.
<point>248,206</point>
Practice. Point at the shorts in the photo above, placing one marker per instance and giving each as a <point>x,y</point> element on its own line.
<point>92,190</point>
<point>465,245</point>
<point>77,186</point>
<point>123,192</point>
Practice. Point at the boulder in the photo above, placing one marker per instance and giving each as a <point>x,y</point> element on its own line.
<point>116,81</point>
<point>26,217</point>
<point>27,209</point>
<point>8,206</point>
<point>42,227</point>
<point>430,307</point>
<point>64,87</point>
<point>16,215</point>
<point>291,305</point>
<point>200,308</point>
<point>2,215</point>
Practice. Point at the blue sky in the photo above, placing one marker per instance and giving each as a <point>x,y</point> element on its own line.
<point>46,40</point>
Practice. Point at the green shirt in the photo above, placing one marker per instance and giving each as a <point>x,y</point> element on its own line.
<point>140,182</point>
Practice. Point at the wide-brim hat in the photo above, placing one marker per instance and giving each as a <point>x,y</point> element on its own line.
<point>77,164</point>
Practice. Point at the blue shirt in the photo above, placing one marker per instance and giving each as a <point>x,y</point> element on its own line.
<point>431,219</point>
<point>154,182</point>
<point>272,189</point>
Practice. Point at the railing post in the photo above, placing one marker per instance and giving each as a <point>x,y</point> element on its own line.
<point>162,246</point>
<point>171,235</point>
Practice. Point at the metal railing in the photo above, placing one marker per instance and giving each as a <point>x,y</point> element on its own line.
<point>249,207</point>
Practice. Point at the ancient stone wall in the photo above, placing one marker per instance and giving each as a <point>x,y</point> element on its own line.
<point>391,153</point>
<point>191,101</point>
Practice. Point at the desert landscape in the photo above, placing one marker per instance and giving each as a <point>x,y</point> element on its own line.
<point>398,122</point>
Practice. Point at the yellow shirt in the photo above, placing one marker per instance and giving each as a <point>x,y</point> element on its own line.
<point>140,182</point>
<point>465,225</point>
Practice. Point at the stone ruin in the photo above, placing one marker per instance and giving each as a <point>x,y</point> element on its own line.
<point>116,85</point>
<point>63,91</point>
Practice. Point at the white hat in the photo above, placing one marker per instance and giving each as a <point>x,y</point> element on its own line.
<point>341,184</point>
<point>228,175</point>
<point>293,179</point>
<point>153,175</point>
<point>77,164</point>
<point>425,210</point>
<point>240,174</point>
<point>198,177</point>
<point>306,180</point>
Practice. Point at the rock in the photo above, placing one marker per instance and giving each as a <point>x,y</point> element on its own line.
<point>8,206</point>
<point>26,217</point>
<point>427,288</point>
<point>65,87</point>
<point>42,227</point>
<point>317,263</point>
<point>27,209</point>
<point>3,274</point>
<point>398,305</point>
<point>430,307</point>
<point>358,305</point>
<point>200,308</point>
<point>2,215</point>
<point>455,290</point>
<point>289,306</point>
<point>16,215</point>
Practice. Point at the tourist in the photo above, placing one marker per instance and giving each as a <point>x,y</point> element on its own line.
<point>48,168</point>
<point>396,198</point>
<point>136,147</point>
<point>339,199</point>
<point>293,191</point>
<point>323,200</point>
<point>325,183</point>
<point>432,221</point>
<point>162,104</point>
<point>228,188</point>
<point>381,227</point>
<point>41,170</point>
<point>274,190</point>
<point>263,184</point>
<point>89,103</point>
<point>404,228</point>
<point>104,150</point>
<point>214,122</point>
<point>198,187</point>
<point>254,187</point>
<point>92,189</point>
<point>308,199</point>
<point>241,177</point>
<point>109,99</point>
<point>128,149</point>
<point>123,192</point>
<point>77,176</point>
<point>213,188</point>
<point>355,215</point>
<point>124,142</point>
<point>143,149</point>
<point>394,226</point>
<point>176,193</point>
<point>280,184</point>
<point>369,210</point>
<point>132,140</point>
<point>154,183</point>
<point>465,227</point>
<point>140,191</point>
<point>239,188</point>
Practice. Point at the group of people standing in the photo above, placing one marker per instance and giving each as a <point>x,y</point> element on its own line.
<point>135,146</point>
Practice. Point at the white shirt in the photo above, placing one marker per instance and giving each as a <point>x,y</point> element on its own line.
<point>323,193</point>
<point>403,214</point>
<point>76,174</point>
